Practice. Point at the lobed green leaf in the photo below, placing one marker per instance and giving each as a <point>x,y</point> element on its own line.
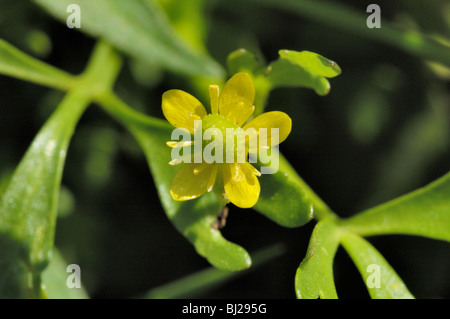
<point>304,69</point>
<point>423,212</point>
<point>381,280</point>
<point>140,29</point>
<point>314,278</point>
<point>242,60</point>
<point>286,199</point>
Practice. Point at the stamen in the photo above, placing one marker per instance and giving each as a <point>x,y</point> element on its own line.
<point>181,160</point>
<point>212,179</point>
<point>179,144</point>
<point>175,162</point>
<point>214,96</point>
<point>200,168</point>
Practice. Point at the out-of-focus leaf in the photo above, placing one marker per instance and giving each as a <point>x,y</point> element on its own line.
<point>314,278</point>
<point>304,69</point>
<point>15,273</point>
<point>54,278</point>
<point>286,199</point>
<point>28,205</point>
<point>337,15</point>
<point>242,61</point>
<point>424,212</point>
<point>381,280</point>
<point>139,28</point>
<point>15,63</point>
<point>194,218</point>
<point>188,19</point>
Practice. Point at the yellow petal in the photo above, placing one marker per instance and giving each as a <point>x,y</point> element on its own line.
<point>188,185</point>
<point>236,99</point>
<point>269,121</point>
<point>181,109</point>
<point>241,185</point>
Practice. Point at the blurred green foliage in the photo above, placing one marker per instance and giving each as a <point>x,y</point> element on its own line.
<point>382,131</point>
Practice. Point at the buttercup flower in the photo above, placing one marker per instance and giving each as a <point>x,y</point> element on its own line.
<point>234,181</point>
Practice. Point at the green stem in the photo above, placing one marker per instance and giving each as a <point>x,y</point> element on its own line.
<point>98,81</point>
<point>38,289</point>
<point>125,114</point>
<point>17,64</point>
<point>101,72</point>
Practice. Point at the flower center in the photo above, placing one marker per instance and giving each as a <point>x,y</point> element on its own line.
<point>223,140</point>
<point>217,121</point>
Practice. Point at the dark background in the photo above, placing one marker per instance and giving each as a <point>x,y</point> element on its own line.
<point>381,132</point>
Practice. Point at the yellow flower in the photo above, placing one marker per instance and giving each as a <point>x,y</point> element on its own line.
<point>234,182</point>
